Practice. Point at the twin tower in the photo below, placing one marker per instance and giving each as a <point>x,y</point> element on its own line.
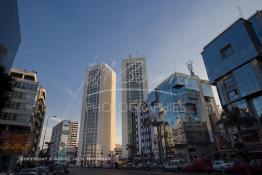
<point>98,118</point>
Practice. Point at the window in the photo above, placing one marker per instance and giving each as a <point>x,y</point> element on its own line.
<point>232,95</point>
<point>29,77</point>
<point>227,51</point>
<point>229,83</point>
<point>16,75</point>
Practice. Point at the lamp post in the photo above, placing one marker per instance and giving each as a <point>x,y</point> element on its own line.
<point>45,131</point>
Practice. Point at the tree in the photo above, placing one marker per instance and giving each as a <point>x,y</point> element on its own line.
<point>236,118</point>
<point>6,86</point>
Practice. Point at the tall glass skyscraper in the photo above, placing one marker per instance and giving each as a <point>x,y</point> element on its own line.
<point>97,126</point>
<point>9,32</point>
<point>234,65</point>
<point>134,91</point>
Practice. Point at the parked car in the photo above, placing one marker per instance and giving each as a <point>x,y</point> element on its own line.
<point>108,165</point>
<point>131,165</point>
<point>155,165</point>
<point>175,165</point>
<point>139,166</point>
<point>254,167</point>
<point>220,165</point>
<point>238,167</point>
<point>199,165</point>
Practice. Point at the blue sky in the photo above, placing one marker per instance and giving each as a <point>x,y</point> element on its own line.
<point>60,38</point>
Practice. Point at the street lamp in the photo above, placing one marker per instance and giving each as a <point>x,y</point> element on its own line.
<point>45,131</point>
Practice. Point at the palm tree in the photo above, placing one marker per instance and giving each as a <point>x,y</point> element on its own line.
<point>158,124</point>
<point>236,118</point>
<point>6,86</point>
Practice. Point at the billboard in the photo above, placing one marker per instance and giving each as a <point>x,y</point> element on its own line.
<point>12,142</point>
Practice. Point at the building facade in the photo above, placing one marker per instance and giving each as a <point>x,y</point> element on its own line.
<point>184,97</point>
<point>22,116</point>
<point>63,140</point>
<point>97,128</point>
<point>192,140</point>
<point>143,131</point>
<point>134,91</point>
<point>234,66</point>
<point>10,36</point>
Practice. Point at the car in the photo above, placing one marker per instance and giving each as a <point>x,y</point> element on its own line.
<point>107,165</point>
<point>220,165</point>
<point>256,167</point>
<point>131,165</point>
<point>199,165</point>
<point>174,165</point>
<point>238,167</point>
<point>139,166</point>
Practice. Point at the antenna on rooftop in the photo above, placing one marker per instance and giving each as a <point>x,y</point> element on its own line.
<point>190,67</point>
<point>239,9</point>
<point>240,12</point>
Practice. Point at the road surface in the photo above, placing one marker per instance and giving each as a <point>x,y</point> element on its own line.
<point>100,171</point>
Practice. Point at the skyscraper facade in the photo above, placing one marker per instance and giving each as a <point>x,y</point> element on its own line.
<point>183,97</point>
<point>10,36</point>
<point>97,126</point>
<point>63,140</point>
<point>143,131</point>
<point>186,96</point>
<point>234,66</point>
<point>22,117</point>
<point>134,91</point>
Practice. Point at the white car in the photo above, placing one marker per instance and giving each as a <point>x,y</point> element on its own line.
<point>174,165</point>
<point>220,165</point>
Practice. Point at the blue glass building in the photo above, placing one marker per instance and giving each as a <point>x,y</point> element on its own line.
<point>185,96</point>
<point>233,63</point>
<point>10,37</point>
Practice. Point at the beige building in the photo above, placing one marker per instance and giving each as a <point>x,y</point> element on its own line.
<point>97,126</point>
<point>134,91</point>
<point>22,117</point>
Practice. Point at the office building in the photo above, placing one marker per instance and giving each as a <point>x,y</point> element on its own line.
<point>10,36</point>
<point>97,126</point>
<point>134,91</point>
<point>63,140</point>
<point>22,116</point>
<point>233,63</point>
<point>184,97</point>
<point>143,131</point>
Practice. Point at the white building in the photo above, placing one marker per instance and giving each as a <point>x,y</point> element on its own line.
<point>134,91</point>
<point>97,126</point>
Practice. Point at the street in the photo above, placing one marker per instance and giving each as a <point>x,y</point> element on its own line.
<point>98,171</point>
